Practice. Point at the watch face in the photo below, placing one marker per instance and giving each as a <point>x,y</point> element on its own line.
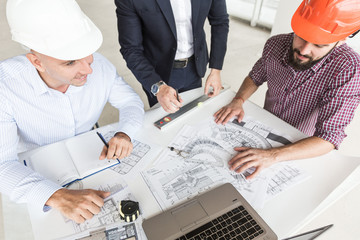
<point>154,89</point>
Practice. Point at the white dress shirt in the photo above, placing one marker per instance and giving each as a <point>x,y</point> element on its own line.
<point>182,15</point>
<point>33,115</point>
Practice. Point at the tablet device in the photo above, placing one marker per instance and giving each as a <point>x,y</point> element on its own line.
<point>311,234</point>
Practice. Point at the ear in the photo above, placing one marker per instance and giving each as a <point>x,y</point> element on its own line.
<point>342,41</point>
<point>35,61</point>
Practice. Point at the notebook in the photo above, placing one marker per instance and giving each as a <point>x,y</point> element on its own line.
<point>71,160</point>
<point>221,213</point>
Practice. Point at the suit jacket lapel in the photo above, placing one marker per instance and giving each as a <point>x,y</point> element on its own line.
<point>166,9</point>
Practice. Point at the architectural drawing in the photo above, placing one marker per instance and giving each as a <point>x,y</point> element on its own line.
<point>197,159</point>
<point>109,213</point>
<point>139,151</point>
<point>124,232</point>
<point>127,164</point>
<point>284,177</point>
<point>247,133</point>
<point>177,180</point>
<point>254,191</point>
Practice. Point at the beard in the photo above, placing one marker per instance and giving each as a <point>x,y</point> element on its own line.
<point>297,64</point>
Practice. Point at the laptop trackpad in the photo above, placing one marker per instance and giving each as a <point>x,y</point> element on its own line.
<point>189,214</point>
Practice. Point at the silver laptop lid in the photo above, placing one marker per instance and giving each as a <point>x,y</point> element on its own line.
<point>199,211</point>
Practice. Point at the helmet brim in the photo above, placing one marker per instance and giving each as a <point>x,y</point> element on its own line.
<point>312,33</point>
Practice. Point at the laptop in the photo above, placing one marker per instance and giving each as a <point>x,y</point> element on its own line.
<point>221,213</point>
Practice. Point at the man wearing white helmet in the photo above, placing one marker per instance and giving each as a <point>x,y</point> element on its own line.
<point>56,91</point>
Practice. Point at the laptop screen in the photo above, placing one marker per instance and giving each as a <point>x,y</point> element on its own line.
<point>311,234</point>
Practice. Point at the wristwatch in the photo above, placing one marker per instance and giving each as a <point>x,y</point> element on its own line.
<point>155,87</point>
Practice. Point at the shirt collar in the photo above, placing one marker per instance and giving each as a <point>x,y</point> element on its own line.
<point>74,89</point>
<point>37,83</point>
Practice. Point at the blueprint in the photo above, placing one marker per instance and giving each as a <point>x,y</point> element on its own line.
<point>123,232</point>
<point>109,213</point>
<point>197,158</point>
<point>110,216</point>
<point>284,177</point>
<point>177,180</point>
<point>107,222</point>
<point>141,152</point>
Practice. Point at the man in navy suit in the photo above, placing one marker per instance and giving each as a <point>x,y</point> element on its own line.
<point>163,43</point>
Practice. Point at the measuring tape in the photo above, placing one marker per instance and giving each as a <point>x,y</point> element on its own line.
<point>129,210</point>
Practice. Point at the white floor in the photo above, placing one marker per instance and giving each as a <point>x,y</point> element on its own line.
<point>244,48</point>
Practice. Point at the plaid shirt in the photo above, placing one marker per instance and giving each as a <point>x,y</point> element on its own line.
<point>319,101</point>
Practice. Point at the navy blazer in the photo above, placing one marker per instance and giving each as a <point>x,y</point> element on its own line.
<point>147,36</point>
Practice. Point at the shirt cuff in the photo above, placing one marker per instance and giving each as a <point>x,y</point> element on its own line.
<point>41,193</point>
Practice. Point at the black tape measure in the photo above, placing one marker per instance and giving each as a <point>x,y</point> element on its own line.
<point>129,210</point>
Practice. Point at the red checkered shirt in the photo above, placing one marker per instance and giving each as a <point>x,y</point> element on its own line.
<point>319,101</point>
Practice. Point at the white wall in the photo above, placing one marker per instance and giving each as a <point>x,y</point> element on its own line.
<point>283,18</point>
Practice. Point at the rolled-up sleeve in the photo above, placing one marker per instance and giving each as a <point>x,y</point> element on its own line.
<point>338,105</point>
<point>257,73</point>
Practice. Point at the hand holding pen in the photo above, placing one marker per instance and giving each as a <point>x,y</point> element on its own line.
<point>119,146</point>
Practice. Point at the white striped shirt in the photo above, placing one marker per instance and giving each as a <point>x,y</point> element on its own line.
<point>182,15</point>
<point>33,115</point>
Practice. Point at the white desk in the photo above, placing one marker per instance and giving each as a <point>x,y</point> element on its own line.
<point>287,212</point>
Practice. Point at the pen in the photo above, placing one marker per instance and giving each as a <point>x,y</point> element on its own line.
<point>104,141</point>
<point>177,95</point>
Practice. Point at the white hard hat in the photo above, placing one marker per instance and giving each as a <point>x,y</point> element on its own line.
<point>56,28</point>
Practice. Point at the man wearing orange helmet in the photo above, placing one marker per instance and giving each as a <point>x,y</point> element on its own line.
<point>313,80</point>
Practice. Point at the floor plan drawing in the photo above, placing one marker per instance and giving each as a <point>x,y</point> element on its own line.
<point>285,177</point>
<point>124,232</point>
<point>254,191</point>
<point>247,133</point>
<point>109,213</point>
<point>127,164</point>
<point>141,152</point>
<point>197,159</point>
<point>176,180</point>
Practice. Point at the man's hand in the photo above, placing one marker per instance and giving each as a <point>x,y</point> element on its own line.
<point>77,205</point>
<point>234,108</point>
<point>252,157</point>
<point>168,99</point>
<point>214,81</point>
<point>120,146</point>
<point>263,158</point>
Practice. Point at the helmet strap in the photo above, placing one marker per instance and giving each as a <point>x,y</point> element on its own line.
<point>353,35</point>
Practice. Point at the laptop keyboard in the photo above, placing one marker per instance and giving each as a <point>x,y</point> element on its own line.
<point>235,224</point>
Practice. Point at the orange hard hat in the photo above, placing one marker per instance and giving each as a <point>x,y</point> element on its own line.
<point>326,21</point>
